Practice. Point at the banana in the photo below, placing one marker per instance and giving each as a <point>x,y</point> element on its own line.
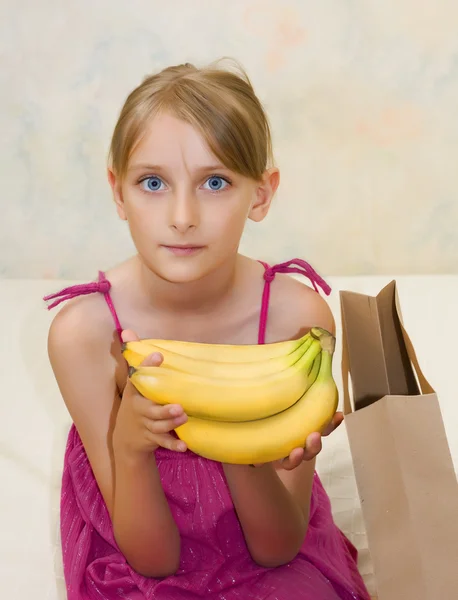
<point>233,399</point>
<point>227,352</point>
<point>136,352</point>
<point>274,437</point>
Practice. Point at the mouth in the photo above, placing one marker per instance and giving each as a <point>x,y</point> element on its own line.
<point>183,250</point>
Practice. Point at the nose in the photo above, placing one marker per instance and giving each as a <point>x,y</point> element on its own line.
<point>183,211</point>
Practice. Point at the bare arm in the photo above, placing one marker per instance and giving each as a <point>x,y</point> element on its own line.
<point>273,518</point>
<point>273,504</point>
<point>143,526</point>
<point>82,360</point>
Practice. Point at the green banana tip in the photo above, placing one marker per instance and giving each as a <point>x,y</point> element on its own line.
<point>318,332</point>
<point>132,370</point>
<point>123,347</point>
<point>328,343</point>
<point>326,338</point>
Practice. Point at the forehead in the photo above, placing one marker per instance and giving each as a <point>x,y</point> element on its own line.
<point>170,140</point>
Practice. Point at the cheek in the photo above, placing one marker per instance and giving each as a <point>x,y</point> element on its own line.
<point>231,215</point>
<point>143,225</point>
<point>141,212</point>
<point>227,223</point>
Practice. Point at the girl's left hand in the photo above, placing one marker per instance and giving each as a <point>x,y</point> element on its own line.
<point>312,446</point>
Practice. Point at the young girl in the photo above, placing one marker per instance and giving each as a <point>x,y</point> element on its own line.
<point>142,517</point>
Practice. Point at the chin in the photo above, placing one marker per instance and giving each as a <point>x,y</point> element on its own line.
<point>181,272</point>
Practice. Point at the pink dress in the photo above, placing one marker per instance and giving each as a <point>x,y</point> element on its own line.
<point>215,561</point>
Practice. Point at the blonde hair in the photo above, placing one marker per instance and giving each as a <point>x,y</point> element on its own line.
<point>221,104</point>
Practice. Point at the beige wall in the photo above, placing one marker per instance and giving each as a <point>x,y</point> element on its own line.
<point>362,97</point>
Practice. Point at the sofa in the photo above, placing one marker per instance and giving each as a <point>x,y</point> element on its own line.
<point>34,422</point>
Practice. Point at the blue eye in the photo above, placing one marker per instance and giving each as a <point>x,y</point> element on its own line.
<point>153,184</point>
<point>216,183</point>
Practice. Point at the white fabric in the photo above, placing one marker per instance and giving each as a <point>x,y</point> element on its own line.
<point>34,422</point>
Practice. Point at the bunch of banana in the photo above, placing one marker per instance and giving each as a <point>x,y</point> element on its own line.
<point>245,403</point>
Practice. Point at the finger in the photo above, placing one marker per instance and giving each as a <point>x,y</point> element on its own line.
<point>313,446</point>
<point>127,335</point>
<point>153,360</point>
<point>165,440</point>
<point>165,425</point>
<point>158,412</point>
<point>293,460</point>
<point>336,421</point>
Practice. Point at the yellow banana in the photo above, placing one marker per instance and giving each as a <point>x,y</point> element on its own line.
<point>271,438</point>
<point>136,352</point>
<point>227,352</point>
<point>227,399</point>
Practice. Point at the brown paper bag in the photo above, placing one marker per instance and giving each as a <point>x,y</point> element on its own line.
<point>403,467</point>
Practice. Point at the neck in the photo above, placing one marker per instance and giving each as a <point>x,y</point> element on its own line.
<point>212,291</point>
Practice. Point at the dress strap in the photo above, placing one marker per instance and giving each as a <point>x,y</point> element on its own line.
<point>102,286</point>
<point>296,265</point>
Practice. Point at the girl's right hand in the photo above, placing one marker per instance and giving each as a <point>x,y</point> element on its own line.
<point>141,425</point>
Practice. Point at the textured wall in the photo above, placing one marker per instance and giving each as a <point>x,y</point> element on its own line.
<point>362,95</point>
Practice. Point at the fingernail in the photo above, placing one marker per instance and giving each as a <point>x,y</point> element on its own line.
<point>174,411</point>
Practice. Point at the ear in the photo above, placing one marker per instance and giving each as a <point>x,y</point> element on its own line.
<point>265,191</point>
<point>115,185</point>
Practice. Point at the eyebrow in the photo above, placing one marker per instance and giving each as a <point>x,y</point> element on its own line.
<point>157,168</point>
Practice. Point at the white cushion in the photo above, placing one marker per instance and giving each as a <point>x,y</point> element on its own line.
<point>34,422</point>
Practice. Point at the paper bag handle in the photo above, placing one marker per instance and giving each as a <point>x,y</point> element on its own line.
<point>345,365</point>
<point>425,386</point>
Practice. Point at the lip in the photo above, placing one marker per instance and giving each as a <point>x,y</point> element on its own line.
<point>183,250</point>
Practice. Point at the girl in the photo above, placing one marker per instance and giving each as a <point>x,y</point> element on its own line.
<point>142,517</point>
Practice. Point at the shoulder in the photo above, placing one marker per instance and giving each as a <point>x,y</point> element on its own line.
<point>295,308</point>
<point>85,356</point>
<point>81,336</point>
<point>86,319</point>
<point>81,322</point>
